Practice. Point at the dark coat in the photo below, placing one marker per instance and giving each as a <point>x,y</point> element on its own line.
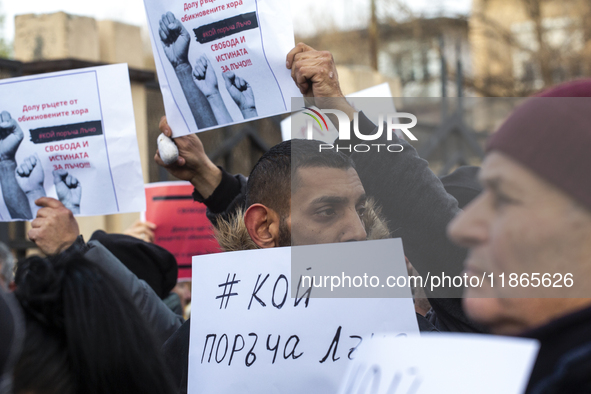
<point>563,365</point>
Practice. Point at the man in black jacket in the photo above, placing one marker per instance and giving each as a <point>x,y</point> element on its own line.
<point>328,204</point>
<point>413,200</point>
<point>398,181</point>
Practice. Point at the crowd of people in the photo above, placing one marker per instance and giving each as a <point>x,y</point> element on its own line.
<point>92,317</point>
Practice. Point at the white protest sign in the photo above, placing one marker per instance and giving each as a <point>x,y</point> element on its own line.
<point>381,90</point>
<point>69,135</point>
<point>249,335</point>
<point>221,62</point>
<point>329,133</point>
<point>442,363</point>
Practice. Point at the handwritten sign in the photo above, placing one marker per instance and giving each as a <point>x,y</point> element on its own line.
<point>182,226</point>
<point>221,63</point>
<point>442,363</point>
<point>253,337</point>
<point>69,135</point>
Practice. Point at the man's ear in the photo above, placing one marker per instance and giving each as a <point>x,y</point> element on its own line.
<point>262,224</point>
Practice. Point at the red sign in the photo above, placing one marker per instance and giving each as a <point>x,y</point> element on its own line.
<point>182,227</point>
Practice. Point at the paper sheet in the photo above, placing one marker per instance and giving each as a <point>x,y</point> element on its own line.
<point>249,335</point>
<point>182,226</point>
<point>221,63</point>
<point>71,136</point>
<point>442,363</point>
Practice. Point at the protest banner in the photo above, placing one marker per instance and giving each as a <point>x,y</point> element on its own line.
<point>220,63</point>
<point>328,133</point>
<point>442,363</point>
<point>182,226</point>
<point>69,135</point>
<point>251,336</point>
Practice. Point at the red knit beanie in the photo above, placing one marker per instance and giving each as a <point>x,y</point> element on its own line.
<point>551,135</point>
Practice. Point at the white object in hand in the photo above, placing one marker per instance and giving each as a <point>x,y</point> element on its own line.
<point>168,150</point>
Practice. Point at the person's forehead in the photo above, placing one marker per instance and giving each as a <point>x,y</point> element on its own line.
<point>315,181</point>
<point>500,170</point>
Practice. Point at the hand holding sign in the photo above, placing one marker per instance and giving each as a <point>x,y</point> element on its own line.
<point>315,74</point>
<point>242,94</point>
<point>69,190</point>
<point>11,136</point>
<point>54,229</point>
<point>175,39</point>
<point>193,165</point>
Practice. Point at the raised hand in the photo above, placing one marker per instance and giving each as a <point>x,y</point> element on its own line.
<point>69,190</point>
<point>207,82</point>
<point>11,136</point>
<point>193,165</point>
<point>242,93</point>
<point>175,39</point>
<point>205,77</point>
<point>315,74</point>
<point>142,230</point>
<point>30,176</point>
<point>54,229</point>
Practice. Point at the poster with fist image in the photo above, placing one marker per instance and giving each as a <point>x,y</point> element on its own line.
<point>71,136</point>
<point>221,63</point>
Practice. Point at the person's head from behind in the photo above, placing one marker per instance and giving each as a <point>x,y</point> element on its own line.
<point>534,216</point>
<point>83,334</point>
<point>297,195</point>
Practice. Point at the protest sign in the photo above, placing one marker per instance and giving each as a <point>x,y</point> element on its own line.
<point>329,133</point>
<point>69,135</point>
<point>182,226</point>
<point>442,363</point>
<point>251,336</point>
<point>220,62</point>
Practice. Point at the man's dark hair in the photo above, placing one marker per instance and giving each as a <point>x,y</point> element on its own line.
<point>270,183</point>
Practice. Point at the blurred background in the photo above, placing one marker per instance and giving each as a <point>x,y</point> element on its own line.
<point>460,50</point>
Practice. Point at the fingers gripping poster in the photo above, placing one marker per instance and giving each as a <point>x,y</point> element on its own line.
<point>221,62</point>
<point>71,136</point>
